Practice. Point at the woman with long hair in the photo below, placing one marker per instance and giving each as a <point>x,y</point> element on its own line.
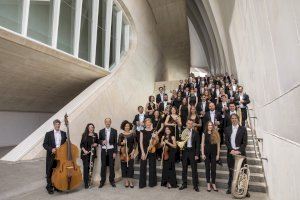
<point>168,144</point>
<point>158,125</point>
<point>210,149</point>
<point>195,118</point>
<point>184,111</point>
<point>150,106</point>
<point>89,139</point>
<point>127,139</point>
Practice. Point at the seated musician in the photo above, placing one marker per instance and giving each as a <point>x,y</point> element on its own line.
<point>53,140</point>
<point>89,142</point>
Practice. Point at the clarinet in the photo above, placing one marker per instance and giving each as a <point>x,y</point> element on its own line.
<point>91,163</point>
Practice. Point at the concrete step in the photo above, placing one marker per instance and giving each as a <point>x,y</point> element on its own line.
<point>221,183</point>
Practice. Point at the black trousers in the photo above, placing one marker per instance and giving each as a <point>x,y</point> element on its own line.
<point>86,169</point>
<point>127,172</point>
<point>210,168</point>
<point>152,171</point>
<point>230,163</point>
<point>107,157</point>
<point>52,164</point>
<point>244,115</point>
<point>189,155</point>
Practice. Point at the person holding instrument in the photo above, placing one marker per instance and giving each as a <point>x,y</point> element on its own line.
<point>53,140</point>
<point>127,142</point>
<point>148,143</point>
<point>158,125</point>
<point>168,144</point>
<point>89,142</point>
<point>108,138</point>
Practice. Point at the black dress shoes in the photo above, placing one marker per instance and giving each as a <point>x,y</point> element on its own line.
<point>228,191</point>
<point>182,187</point>
<point>113,184</point>
<point>50,191</point>
<point>196,189</point>
<point>248,195</point>
<point>101,185</point>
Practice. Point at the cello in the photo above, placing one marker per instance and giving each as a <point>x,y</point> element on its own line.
<point>67,175</point>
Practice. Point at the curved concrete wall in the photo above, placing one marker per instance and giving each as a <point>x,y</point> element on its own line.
<point>117,95</point>
<point>261,40</point>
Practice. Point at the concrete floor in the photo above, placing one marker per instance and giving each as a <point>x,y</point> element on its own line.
<point>25,180</point>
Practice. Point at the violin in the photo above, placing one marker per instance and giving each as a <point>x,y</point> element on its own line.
<point>67,175</point>
<point>124,155</point>
<point>153,143</point>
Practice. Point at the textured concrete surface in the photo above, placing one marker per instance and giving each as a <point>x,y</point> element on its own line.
<point>25,180</point>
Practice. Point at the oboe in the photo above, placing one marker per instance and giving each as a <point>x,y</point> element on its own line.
<point>91,162</point>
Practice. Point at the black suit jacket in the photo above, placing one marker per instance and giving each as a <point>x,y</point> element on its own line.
<point>158,98</point>
<point>112,140</point>
<point>85,145</point>
<point>161,106</point>
<point>206,117</point>
<point>195,143</point>
<point>49,144</point>
<point>245,98</point>
<point>199,107</point>
<point>219,107</point>
<point>240,140</point>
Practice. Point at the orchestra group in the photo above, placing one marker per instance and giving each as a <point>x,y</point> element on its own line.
<point>184,127</point>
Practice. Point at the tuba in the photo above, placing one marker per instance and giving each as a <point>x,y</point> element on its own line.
<point>184,137</point>
<point>241,177</point>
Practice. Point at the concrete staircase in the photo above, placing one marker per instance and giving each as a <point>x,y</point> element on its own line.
<point>257,178</point>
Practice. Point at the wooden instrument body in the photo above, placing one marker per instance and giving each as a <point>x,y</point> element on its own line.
<point>153,144</point>
<point>124,154</point>
<point>166,154</point>
<point>67,174</point>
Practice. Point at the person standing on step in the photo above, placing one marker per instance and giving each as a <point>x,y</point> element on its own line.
<point>190,154</point>
<point>108,139</point>
<point>148,139</point>
<point>53,140</point>
<point>210,149</point>
<point>242,100</point>
<point>236,142</point>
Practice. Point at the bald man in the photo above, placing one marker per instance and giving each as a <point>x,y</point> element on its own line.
<point>108,141</point>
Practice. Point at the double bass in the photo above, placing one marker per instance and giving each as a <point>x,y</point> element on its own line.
<point>67,175</point>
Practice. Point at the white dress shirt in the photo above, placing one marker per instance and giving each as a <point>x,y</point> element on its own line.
<point>234,87</point>
<point>141,119</point>
<point>107,136</point>
<point>241,98</point>
<point>233,136</point>
<point>57,137</point>
<point>189,143</point>
<point>212,116</point>
<point>232,112</point>
<point>203,105</point>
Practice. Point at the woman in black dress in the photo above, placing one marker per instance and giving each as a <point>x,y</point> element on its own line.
<point>177,100</point>
<point>210,149</point>
<point>195,118</point>
<point>89,139</point>
<point>193,99</point>
<point>150,107</point>
<point>184,112</point>
<point>168,144</point>
<point>127,139</point>
<point>146,136</point>
<point>158,125</point>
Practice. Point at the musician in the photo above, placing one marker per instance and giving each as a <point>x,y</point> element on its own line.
<point>222,108</point>
<point>202,106</point>
<point>186,92</point>
<point>234,85</point>
<point>210,149</point>
<point>89,140</point>
<point>108,138</point>
<point>232,110</point>
<point>147,136</point>
<point>162,106</point>
<point>160,96</point>
<point>177,100</point>
<point>230,93</point>
<point>127,139</point>
<point>53,140</point>
<point>242,100</point>
<point>138,122</point>
<point>190,153</point>
<point>195,118</point>
<point>150,107</point>
<point>212,115</point>
<point>158,125</point>
<point>236,142</point>
<point>193,99</point>
<point>168,144</point>
<point>184,111</point>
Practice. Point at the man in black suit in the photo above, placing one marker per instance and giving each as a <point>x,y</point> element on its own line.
<point>162,106</point>
<point>242,100</point>
<point>212,115</point>
<point>53,140</point>
<point>202,106</point>
<point>236,142</point>
<point>222,108</point>
<point>191,153</point>
<point>160,96</point>
<point>232,110</point>
<point>108,141</point>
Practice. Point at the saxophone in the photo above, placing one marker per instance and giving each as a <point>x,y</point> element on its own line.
<point>241,177</point>
<point>184,137</point>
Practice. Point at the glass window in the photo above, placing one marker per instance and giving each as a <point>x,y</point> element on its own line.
<point>40,20</point>
<point>66,26</point>
<point>11,14</point>
<point>123,37</point>
<point>100,34</point>
<point>112,53</point>
<point>85,30</point>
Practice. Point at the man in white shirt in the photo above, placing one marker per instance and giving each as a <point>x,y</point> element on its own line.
<point>236,142</point>
<point>242,100</point>
<point>108,138</point>
<point>52,141</point>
